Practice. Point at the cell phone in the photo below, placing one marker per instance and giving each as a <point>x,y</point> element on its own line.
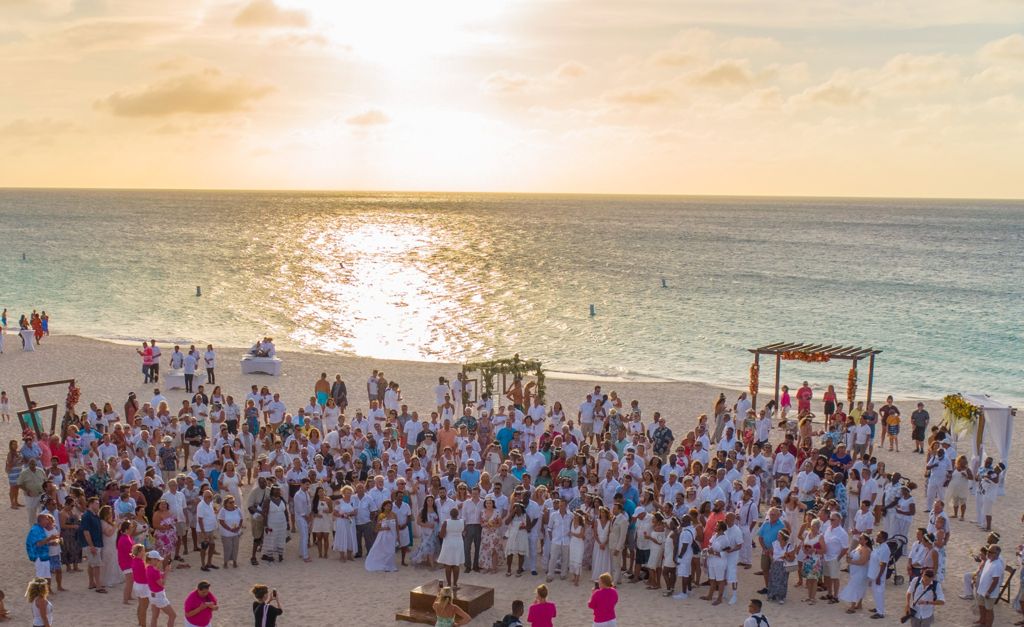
<point>275,593</point>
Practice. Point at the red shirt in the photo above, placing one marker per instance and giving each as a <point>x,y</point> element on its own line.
<point>603,601</point>
<point>193,601</point>
<point>138,570</point>
<point>153,576</point>
<point>542,614</point>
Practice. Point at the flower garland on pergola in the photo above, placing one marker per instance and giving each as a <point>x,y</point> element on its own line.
<point>515,366</point>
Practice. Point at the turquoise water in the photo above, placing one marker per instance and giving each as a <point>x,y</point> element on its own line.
<point>935,284</point>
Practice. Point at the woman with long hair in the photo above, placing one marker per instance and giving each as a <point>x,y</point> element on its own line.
<point>110,574</point>
<point>492,538</point>
<point>38,593</point>
<point>323,521</point>
<point>814,559</point>
<point>381,556</point>
<point>448,614</point>
<point>13,467</point>
<point>855,588</point>
<point>516,538</point>
<point>429,526</point>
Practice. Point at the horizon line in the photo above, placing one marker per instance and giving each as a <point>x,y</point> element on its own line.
<point>274,190</point>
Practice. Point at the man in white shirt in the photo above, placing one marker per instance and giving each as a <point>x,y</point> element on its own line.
<point>939,470</point>
<point>863,520</point>
<point>586,417</point>
<point>441,390</point>
<point>807,483</point>
<point>210,360</point>
<point>206,525</point>
<point>534,460</point>
<point>205,455</point>
<point>700,454</point>
<point>190,365</point>
<point>670,489</point>
<point>923,594</point>
<point>877,564</point>
<point>837,542</point>
<point>990,582</point>
<point>154,370</point>
<point>559,526</point>
<point>276,409</point>
<point>471,509</point>
<point>756,618</point>
<point>176,503</point>
<point>157,398</point>
<point>302,505</point>
<point>177,358</point>
<point>734,534</point>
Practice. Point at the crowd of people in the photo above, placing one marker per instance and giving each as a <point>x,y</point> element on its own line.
<point>38,322</point>
<point>605,494</point>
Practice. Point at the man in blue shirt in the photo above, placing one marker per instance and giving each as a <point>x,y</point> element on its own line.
<point>766,536</point>
<point>504,436</point>
<point>90,535</point>
<point>37,544</point>
<point>628,491</point>
<point>471,476</point>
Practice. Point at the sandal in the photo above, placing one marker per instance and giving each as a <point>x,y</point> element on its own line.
<point>254,562</point>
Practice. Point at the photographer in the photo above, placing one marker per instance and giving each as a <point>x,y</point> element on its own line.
<point>923,594</point>
<point>267,607</point>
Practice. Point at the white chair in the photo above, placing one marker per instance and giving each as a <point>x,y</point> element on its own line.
<point>174,379</point>
<point>261,365</point>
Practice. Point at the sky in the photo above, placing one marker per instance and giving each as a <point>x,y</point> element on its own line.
<point>734,97</point>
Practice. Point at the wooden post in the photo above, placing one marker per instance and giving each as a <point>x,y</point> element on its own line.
<point>871,378</point>
<point>778,369</point>
<point>852,401</point>
<point>753,401</point>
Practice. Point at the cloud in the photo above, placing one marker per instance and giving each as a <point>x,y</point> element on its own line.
<point>114,33</point>
<point>266,14</point>
<point>370,117</point>
<point>832,92</point>
<point>570,70</point>
<point>205,92</point>
<point>505,82</point>
<point>918,73</point>
<point>642,96</point>
<point>752,45</point>
<point>725,73</point>
<point>38,128</point>
<point>1009,48</point>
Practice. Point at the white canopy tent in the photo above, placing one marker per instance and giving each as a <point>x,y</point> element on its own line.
<point>992,434</point>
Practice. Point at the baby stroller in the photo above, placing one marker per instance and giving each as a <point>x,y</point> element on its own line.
<point>897,545</point>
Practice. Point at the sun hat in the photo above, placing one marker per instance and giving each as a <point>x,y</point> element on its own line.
<point>154,555</point>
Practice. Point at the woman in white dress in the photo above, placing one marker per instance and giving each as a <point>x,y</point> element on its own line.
<point>381,556</point>
<point>323,521</point>
<point>275,534</point>
<point>716,563</point>
<point>453,551</point>
<point>344,525</point>
<point>602,559</point>
<point>960,486</point>
<point>854,590</point>
<point>110,573</point>
<point>577,533</point>
<point>516,539</point>
<point>656,536</point>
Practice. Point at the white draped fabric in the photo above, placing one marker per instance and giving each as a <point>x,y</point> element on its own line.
<point>998,431</point>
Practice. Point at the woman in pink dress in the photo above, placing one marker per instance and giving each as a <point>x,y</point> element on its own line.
<point>830,405</point>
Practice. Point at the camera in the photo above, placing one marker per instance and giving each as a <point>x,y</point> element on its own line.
<point>911,614</point>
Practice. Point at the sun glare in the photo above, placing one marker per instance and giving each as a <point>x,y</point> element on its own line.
<point>402,32</point>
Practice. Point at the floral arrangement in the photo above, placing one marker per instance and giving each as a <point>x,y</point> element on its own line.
<point>851,387</point>
<point>515,366</point>
<point>755,370</point>
<point>959,414</point>
<point>74,395</point>
<point>806,356</point>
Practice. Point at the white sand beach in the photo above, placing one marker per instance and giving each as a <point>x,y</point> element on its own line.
<point>327,592</point>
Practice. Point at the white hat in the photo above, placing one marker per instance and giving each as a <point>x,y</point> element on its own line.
<point>154,555</point>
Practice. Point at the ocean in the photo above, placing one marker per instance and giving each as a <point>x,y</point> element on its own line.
<point>936,284</point>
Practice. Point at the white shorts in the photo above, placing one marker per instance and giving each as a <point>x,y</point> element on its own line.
<point>730,568</point>
<point>684,567</point>
<point>43,568</point>
<point>159,599</point>
<point>606,623</point>
<point>140,590</point>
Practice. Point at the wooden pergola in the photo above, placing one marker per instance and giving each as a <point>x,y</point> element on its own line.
<point>816,353</point>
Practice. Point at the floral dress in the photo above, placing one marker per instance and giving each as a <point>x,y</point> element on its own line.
<point>813,560</point>
<point>165,536</point>
<point>492,542</point>
<point>429,542</point>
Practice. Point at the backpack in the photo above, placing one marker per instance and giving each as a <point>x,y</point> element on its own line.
<point>508,621</point>
<point>761,620</point>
